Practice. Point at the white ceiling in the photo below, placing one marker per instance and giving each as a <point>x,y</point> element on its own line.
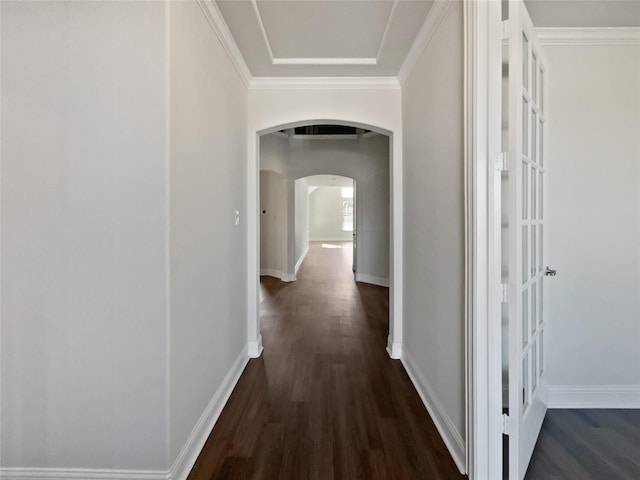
<point>584,13</point>
<point>370,38</point>
<point>329,181</point>
<point>324,38</point>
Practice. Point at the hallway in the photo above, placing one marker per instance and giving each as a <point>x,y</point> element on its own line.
<point>324,401</point>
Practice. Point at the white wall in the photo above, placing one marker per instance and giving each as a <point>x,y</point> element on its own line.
<point>594,224</point>
<point>208,261</point>
<point>325,216</point>
<point>434,347</point>
<point>301,220</point>
<point>83,224</point>
<point>273,224</point>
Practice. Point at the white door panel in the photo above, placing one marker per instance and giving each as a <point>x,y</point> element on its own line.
<point>527,220</point>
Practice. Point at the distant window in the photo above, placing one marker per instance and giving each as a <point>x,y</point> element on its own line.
<point>347,209</point>
<point>347,215</point>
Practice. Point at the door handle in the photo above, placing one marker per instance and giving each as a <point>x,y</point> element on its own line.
<point>549,272</point>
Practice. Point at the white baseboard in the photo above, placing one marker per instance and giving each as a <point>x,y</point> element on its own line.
<point>270,272</point>
<point>301,259</point>
<point>394,349</point>
<point>285,277</point>
<point>255,348</point>
<point>193,446</point>
<point>79,474</point>
<point>183,463</point>
<point>380,281</point>
<point>594,396</point>
<point>441,419</point>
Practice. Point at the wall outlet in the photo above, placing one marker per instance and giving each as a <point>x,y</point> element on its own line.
<point>237,218</point>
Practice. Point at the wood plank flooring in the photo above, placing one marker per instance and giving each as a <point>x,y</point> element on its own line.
<point>587,445</point>
<point>324,401</point>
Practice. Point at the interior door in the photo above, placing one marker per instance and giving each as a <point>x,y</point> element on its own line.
<point>527,218</point>
<point>354,266</point>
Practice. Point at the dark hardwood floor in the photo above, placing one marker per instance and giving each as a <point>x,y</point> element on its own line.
<point>587,445</point>
<point>324,401</point>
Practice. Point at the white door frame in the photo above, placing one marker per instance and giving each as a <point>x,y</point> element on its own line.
<point>483,160</point>
<point>394,341</point>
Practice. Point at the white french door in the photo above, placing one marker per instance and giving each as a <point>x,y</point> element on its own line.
<point>527,231</point>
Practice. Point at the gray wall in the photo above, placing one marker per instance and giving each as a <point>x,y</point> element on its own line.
<point>273,223</point>
<point>367,161</point>
<point>432,101</point>
<point>83,228</point>
<point>123,274</point>
<point>301,219</point>
<point>325,215</point>
<point>274,154</point>
<point>208,252</point>
<point>594,217</point>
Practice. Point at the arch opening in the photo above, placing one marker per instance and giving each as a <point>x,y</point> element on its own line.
<point>392,275</point>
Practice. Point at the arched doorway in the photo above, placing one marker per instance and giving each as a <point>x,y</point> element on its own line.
<point>394,340</point>
<point>328,213</point>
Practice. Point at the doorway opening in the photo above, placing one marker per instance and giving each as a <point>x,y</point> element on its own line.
<point>304,162</point>
<point>326,215</point>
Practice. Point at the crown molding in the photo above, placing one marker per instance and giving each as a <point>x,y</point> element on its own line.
<point>324,83</point>
<point>431,23</point>
<point>589,36</point>
<point>219,26</point>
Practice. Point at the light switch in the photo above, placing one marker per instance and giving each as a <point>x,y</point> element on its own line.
<point>237,220</point>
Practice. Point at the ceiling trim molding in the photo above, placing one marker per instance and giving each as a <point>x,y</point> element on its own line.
<point>386,28</point>
<point>434,19</point>
<point>324,83</point>
<point>214,16</point>
<point>263,30</point>
<point>589,36</point>
<point>323,61</point>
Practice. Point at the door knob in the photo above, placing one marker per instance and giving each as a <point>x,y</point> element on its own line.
<point>549,272</point>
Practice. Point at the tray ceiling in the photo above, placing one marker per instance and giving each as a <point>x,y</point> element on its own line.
<point>370,38</point>
<point>321,38</point>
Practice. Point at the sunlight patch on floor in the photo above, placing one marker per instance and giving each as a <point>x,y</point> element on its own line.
<point>329,245</point>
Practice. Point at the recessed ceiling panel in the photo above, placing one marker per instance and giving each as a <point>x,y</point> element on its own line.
<point>325,29</point>
<point>584,13</point>
<point>325,38</point>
